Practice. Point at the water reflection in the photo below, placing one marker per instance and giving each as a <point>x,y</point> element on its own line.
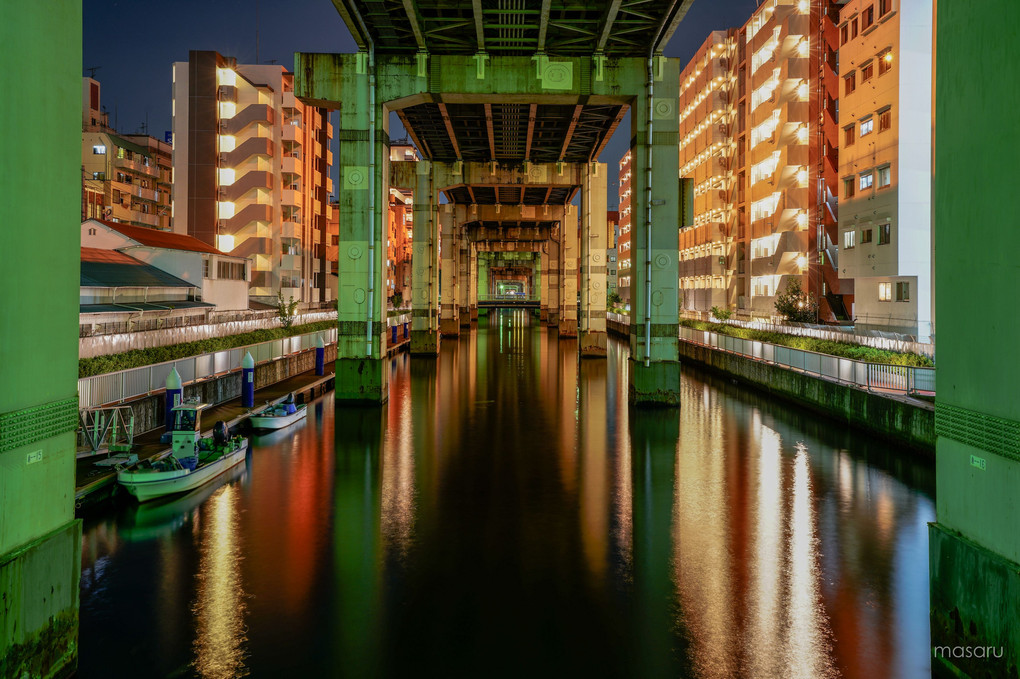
<point>506,513</point>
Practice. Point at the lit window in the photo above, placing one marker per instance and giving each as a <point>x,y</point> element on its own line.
<point>849,239</point>
<point>866,126</point>
<point>884,120</point>
<point>884,177</point>
<point>884,234</point>
<point>885,292</point>
<point>99,149</point>
<point>885,60</point>
<point>866,180</point>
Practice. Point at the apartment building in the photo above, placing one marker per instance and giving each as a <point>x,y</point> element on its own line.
<point>401,229</point>
<point>885,58</point>
<point>758,146</point>
<point>623,253</point>
<point>612,273</point>
<point>251,164</point>
<point>126,178</point>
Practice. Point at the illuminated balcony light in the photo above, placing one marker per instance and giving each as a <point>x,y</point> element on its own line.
<point>224,210</point>
<point>226,176</point>
<point>802,177</point>
<point>802,218</point>
<point>803,6</point>
<point>226,76</point>
<point>802,92</point>
<point>802,134</point>
<point>227,110</point>
<point>802,47</point>
<point>227,143</point>
<point>224,242</point>
<point>801,262</point>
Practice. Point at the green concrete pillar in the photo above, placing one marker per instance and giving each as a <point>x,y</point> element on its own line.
<point>363,221</point>
<point>425,264</point>
<point>654,344</point>
<point>569,250</point>
<point>974,559</point>
<point>449,309</point>
<point>40,184</point>
<point>594,225</point>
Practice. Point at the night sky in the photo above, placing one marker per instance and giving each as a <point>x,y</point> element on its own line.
<point>133,43</point>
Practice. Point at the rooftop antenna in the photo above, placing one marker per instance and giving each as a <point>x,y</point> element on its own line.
<point>92,71</point>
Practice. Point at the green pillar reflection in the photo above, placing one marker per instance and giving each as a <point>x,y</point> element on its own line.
<point>358,562</point>
<point>653,442</point>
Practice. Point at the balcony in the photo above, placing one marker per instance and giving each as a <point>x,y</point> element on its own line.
<point>255,113</point>
<point>226,93</point>
<point>255,212</point>
<point>709,265</point>
<point>143,219</point>
<point>291,230</point>
<point>290,164</point>
<point>290,262</point>
<point>289,100</point>
<point>255,146</point>
<point>247,182</point>
<point>137,166</point>
<point>135,191</point>
<point>290,197</point>
<point>291,133</point>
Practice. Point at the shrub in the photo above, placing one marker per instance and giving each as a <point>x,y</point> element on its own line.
<point>859,352</point>
<point>721,314</point>
<point>135,358</point>
<point>795,305</point>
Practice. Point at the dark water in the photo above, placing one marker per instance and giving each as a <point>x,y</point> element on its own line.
<point>507,514</point>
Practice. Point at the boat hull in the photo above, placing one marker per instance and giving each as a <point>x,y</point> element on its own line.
<point>150,485</point>
<point>277,421</point>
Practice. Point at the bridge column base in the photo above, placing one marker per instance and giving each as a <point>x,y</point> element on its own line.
<point>474,315</point>
<point>655,385</point>
<point>975,601</point>
<point>592,343</point>
<point>424,343</point>
<point>361,380</point>
<point>449,327</point>
<point>568,327</point>
<point>543,314</point>
<point>465,317</point>
<point>552,318</point>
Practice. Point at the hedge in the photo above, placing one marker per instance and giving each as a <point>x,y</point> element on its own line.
<point>859,352</point>
<point>136,358</point>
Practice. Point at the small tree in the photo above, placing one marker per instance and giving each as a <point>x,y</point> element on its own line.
<point>286,311</point>
<point>397,300</point>
<point>721,314</point>
<point>613,298</point>
<point>795,305</point>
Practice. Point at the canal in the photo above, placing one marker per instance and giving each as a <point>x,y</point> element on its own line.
<point>507,514</point>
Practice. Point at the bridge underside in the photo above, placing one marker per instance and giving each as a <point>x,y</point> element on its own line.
<point>510,111</point>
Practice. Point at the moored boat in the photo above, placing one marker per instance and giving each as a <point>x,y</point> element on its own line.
<point>193,460</point>
<point>278,416</point>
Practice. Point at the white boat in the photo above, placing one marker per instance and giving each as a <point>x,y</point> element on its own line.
<point>278,416</point>
<point>193,461</point>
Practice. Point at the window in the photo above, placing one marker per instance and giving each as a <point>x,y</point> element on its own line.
<point>885,62</point>
<point>884,177</point>
<point>868,17</point>
<point>867,70</point>
<point>883,7</point>
<point>205,268</point>
<point>865,235</point>
<point>848,187</point>
<point>884,234</point>
<point>233,271</point>
<point>92,232</point>
<point>844,34</point>
<point>853,28</point>
<point>885,120</point>
<point>849,239</point>
<point>866,180</point>
<point>903,291</point>
<point>848,135</point>
<point>867,125</point>
<point>885,292</point>
<point>849,83</point>
<point>99,149</point>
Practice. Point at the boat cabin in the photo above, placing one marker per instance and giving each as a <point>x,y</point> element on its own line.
<point>186,428</point>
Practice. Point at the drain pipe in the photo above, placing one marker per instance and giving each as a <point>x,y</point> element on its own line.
<point>371,176</point>
<point>648,180</point>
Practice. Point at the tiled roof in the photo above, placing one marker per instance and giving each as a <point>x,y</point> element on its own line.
<point>111,256</point>
<point>161,239</point>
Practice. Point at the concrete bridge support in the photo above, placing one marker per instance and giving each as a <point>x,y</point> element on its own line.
<point>463,272</point>
<point>425,263</point>
<point>654,342</point>
<point>974,559</point>
<point>569,247</point>
<point>473,287</point>
<point>449,309</point>
<point>555,277</point>
<point>592,313</point>
<point>543,285</point>
<point>40,540</point>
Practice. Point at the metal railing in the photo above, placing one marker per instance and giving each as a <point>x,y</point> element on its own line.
<point>870,376</point>
<point>117,387</point>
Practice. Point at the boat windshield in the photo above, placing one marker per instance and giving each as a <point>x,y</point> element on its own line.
<point>185,420</point>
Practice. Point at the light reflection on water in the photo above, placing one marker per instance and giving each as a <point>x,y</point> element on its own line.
<point>507,512</point>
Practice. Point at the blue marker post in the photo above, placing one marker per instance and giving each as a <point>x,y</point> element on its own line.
<point>247,381</point>
<point>174,394</point>
<point>320,356</point>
